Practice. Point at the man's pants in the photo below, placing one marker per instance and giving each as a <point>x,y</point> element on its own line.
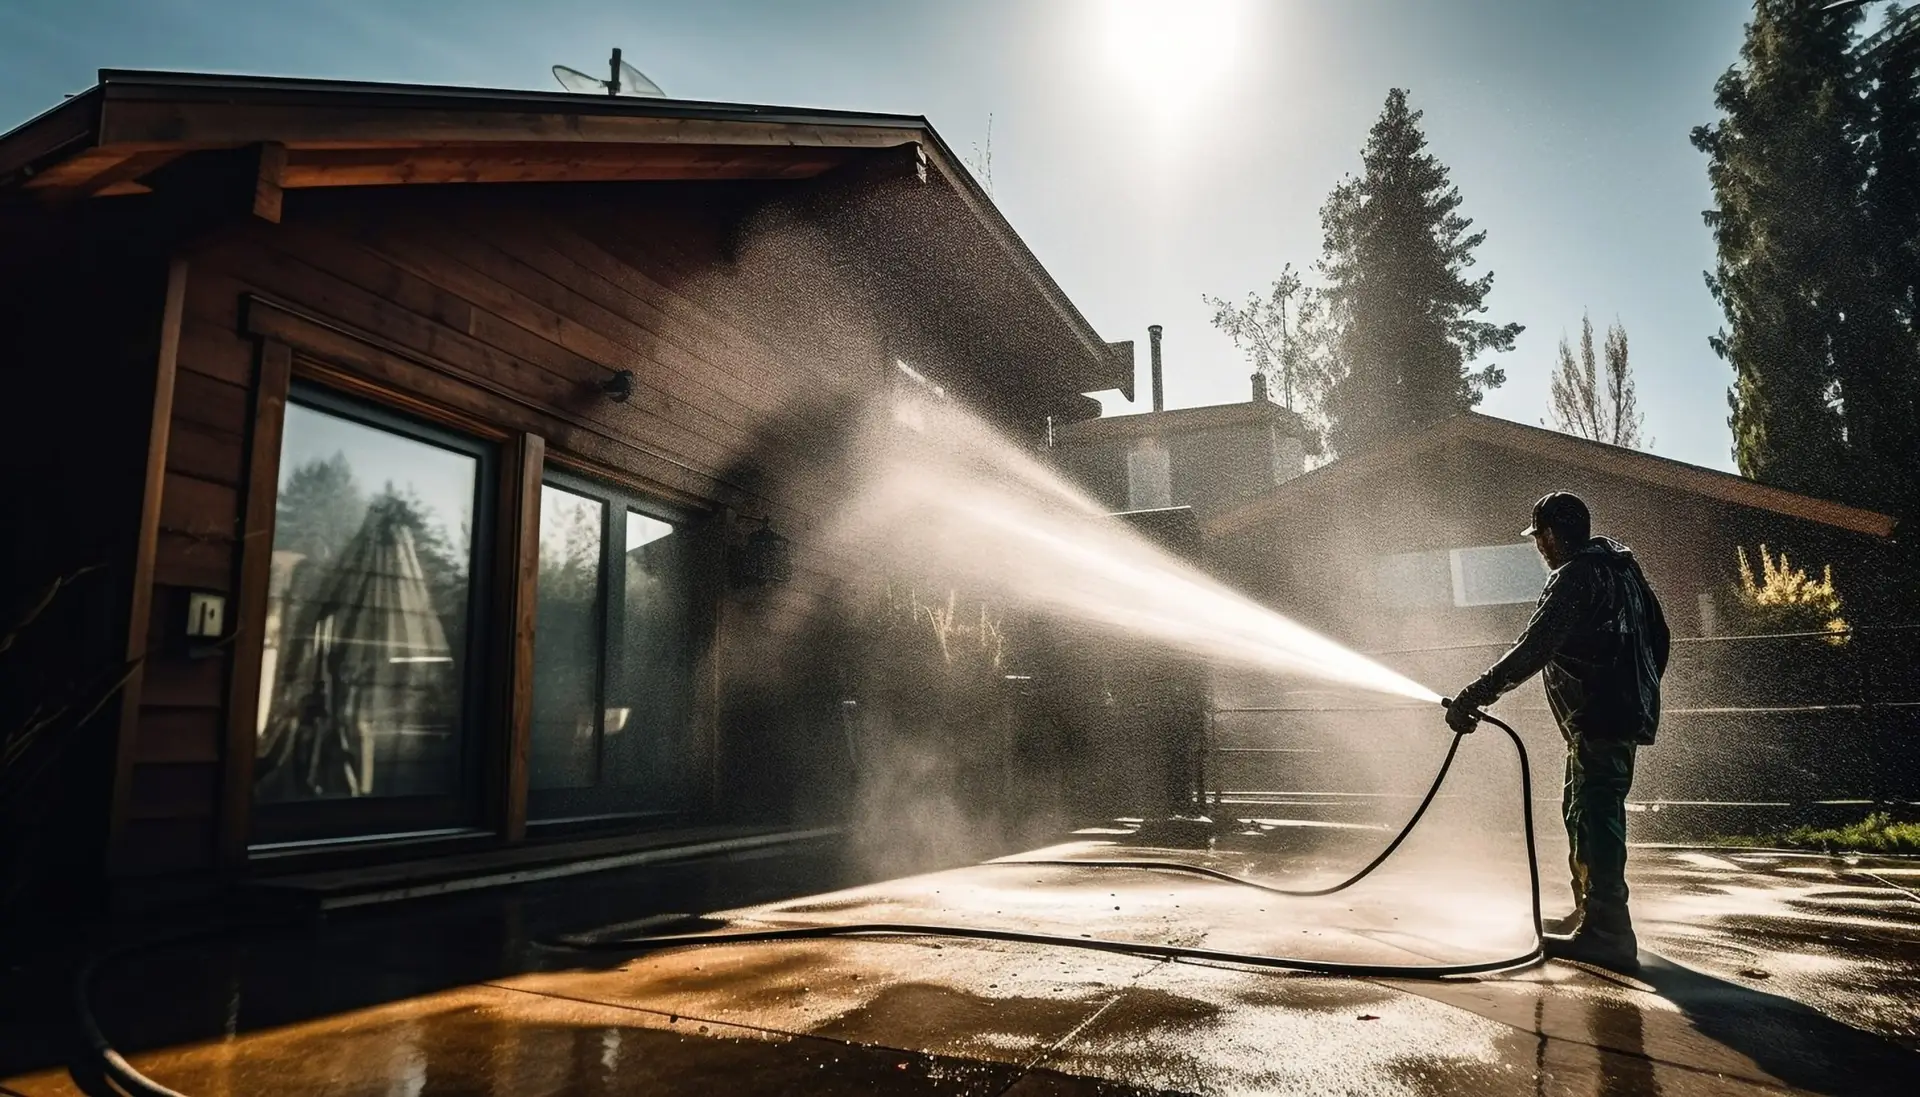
<point>1594,803</point>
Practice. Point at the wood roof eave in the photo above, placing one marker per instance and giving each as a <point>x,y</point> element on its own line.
<point>338,133</point>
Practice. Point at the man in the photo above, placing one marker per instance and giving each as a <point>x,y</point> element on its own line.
<point>1601,638</point>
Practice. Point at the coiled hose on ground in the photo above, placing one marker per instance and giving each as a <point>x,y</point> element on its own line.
<point>110,1065</point>
<point>1177,952</point>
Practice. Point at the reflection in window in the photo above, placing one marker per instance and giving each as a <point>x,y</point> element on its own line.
<point>566,652</point>
<point>363,666</point>
<point>612,660</point>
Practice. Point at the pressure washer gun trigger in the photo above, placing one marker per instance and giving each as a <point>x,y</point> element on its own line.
<point>1461,719</point>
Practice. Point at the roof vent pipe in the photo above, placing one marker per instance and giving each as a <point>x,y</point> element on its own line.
<point>1159,388</point>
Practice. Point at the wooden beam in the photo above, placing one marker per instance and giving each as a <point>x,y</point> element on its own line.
<point>268,180</point>
<point>523,162</point>
<point>98,173</point>
<point>140,609</point>
<point>273,378</point>
<point>522,544</point>
<point>140,124</point>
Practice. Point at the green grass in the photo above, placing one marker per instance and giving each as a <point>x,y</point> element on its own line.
<point>1877,833</point>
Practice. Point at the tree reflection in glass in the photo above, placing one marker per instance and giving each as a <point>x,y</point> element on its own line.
<point>364,653</point>
<point>566,652</point>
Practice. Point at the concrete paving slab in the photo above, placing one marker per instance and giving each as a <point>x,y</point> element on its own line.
<point>487,1040</point>
<point>989,1000</point>
<point>1764,973</point>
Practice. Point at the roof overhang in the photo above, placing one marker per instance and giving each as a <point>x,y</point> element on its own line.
<point>1174,421</point>
<point>1333,480</point>
<point>103,142</point>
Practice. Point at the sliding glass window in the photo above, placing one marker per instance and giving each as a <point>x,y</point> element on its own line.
<point>368,721</point>
<point>612,729</point>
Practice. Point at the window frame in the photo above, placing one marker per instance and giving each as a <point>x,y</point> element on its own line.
<point>349,819</point>
<point>549,810</point>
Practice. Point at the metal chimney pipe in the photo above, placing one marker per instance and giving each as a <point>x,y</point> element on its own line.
<point>1159,388</point>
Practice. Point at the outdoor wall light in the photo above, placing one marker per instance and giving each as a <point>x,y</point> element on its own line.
<point>619,387</point>
<point>764,559</point>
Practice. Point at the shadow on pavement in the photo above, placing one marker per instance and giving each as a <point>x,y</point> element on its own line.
<point>1794,1043</point>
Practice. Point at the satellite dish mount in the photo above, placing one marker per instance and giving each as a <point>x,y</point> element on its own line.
<point>622,79</point>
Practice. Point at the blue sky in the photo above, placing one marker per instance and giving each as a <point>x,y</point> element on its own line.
<point>1150,152</point>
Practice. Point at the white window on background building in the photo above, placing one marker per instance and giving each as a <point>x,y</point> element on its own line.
<point>1490,575</point>
<point>1497,575</point>
<point>1149,475</point>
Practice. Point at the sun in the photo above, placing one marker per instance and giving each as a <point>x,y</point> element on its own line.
<point>1169,53</point>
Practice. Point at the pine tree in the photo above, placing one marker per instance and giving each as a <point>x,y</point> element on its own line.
<point>319,509</point>
<point>1823,363</point>
<point>1891,63</point>
<point>1396,254</point>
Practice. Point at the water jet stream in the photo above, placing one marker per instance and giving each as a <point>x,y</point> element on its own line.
<point>951,501</point>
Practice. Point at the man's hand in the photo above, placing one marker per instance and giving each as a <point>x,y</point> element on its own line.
<point>1461,717</point>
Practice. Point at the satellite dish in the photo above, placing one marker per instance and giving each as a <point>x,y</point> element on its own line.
<point>623,79</point>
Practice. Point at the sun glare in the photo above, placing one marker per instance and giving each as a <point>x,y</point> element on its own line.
<point>1170,53</point>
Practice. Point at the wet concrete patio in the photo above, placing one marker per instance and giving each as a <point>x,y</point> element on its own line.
<point>1764,973</point>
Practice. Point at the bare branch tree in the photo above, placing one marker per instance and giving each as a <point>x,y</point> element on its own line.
<point>1259,328</point>
<point>1590,404</point>
<point>981,162</point>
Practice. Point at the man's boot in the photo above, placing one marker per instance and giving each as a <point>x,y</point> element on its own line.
<point>1605,939</point>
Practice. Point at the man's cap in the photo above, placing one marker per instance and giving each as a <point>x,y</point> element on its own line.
<point>1558,509</point>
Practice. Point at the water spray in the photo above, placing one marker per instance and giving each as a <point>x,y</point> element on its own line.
<point>951,500</point>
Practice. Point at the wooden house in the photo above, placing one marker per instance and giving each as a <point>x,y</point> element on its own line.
<point>391,452</point>
<point>1412,553</point>
<point>1418,542</point>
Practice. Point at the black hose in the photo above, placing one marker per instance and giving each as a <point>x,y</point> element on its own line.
<point>1179,952</point>
<point>1365,871</point>
<point>109,1065</point>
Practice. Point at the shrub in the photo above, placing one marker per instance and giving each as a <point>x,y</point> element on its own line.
<point>1787,599</point>
<point>1877,833</point>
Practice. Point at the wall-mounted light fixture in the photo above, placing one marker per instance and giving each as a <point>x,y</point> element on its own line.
<point>619,387</point>
<point>765,558</point>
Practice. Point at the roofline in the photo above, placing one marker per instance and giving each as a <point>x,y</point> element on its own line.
<point>1654,469</point>
<point>80,121</point>
<point>114,79</point>
<point>1175,420</point>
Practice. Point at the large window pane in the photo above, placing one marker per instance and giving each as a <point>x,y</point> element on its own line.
<point>363,670</point>
<point>612,696</point>
<point>567,641</point>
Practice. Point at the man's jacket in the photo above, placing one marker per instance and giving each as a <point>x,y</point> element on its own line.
<point>1601,638</point>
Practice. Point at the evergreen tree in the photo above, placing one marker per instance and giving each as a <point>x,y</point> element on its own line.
<point>1891,63</point>
<point>319,510</point>
<point>1823,363</point>
<point>1397,251</point>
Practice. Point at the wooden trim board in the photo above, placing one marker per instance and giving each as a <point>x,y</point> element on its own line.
<point>250,596</point>
<point>146,547</point>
